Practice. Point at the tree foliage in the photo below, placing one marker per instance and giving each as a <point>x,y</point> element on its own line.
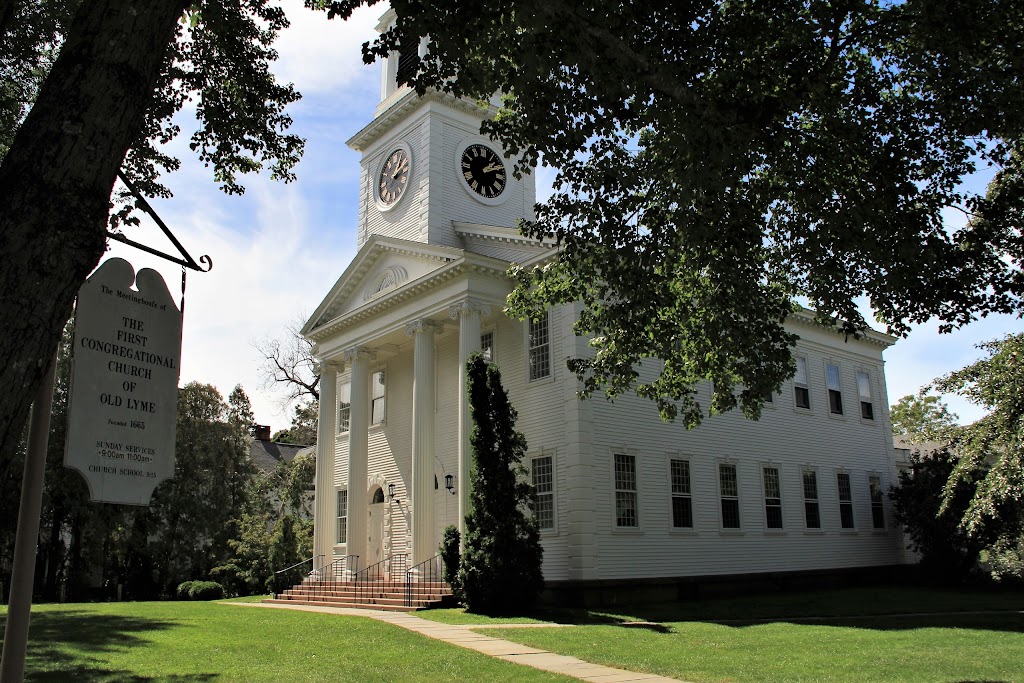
<point>305,419</point>
<point>922,417</point>
<point>88,89</point>
<point>196,512</point>
<point>716,160</point>
<point>275,530</point>
<point>932,520</point>
<point>500,569</point>
<point>991,449</point>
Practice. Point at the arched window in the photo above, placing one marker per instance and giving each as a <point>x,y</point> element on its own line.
<point>378,496</point>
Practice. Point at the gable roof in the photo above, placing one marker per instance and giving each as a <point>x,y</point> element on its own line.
<point>369,255</point>
<point>266,455</point>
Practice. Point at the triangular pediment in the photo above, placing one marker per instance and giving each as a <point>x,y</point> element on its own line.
<point>382,265</point>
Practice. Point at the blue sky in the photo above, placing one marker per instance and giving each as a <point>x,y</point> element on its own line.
<point>278,249</point>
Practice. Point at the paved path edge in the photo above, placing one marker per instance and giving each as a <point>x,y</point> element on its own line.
<point>463,635</point>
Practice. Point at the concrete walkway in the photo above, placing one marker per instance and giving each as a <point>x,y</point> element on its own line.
<point>465,636</point>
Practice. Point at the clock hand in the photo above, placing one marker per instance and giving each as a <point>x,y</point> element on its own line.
<point>491,168</point>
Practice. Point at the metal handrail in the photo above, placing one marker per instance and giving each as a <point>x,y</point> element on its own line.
<point>426,572</point>
<point>277,581</point>
<point>297,564</point>
<point>374,579</point>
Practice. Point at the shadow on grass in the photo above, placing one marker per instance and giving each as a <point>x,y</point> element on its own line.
<point>881,608</point>
<point>62,647</point>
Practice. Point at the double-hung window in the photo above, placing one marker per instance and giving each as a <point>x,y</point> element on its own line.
<point>343,516</point>
<point>812,514</point>
<point>845,500</point>
<point>835,389</point>
<point>877,505</point>
<point>867,408</point>
<point>682,504</point>
<point>801,392</point>
<point>542,477</point>
<point>772,498</point>
<point>540,348</point>
<point>378,393</point>
<point>730,493</point>
<point>487,346</point>
<point>344,406</point>
<point>626,514</point>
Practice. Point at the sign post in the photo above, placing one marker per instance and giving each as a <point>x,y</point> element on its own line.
<point>19,606</point>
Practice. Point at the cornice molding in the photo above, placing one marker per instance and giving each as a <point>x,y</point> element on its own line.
<point>405,105</point>
<point>805,317</point>
<point>500,234</point>
<point>410,290</point>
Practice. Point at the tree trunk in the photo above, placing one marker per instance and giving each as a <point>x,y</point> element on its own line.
<point>56,181</point>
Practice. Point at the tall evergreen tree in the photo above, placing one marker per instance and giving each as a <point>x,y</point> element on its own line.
<point>500,571</point>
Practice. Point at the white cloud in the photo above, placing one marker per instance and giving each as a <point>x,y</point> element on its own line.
<point>324,56</point>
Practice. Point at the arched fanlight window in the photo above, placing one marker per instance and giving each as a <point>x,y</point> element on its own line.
<point>378,496</point>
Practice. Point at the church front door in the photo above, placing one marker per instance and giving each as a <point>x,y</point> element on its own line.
<point>375,527</point>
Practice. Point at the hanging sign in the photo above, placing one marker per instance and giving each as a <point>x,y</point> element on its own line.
<point>124,384</point>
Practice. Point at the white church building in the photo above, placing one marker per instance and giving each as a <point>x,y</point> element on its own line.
<point>621,497</point>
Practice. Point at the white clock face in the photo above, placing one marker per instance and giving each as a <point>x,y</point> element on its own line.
<point>394,177</point>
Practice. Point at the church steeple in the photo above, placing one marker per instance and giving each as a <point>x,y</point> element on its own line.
<point>425,165</point>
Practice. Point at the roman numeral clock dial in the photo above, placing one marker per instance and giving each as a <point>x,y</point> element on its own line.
<point>483,170</point>
<point>394,177</point>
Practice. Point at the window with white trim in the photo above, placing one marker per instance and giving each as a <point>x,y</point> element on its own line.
<point>378,394</point>
<point>772,497</point>
<point>487,346</point>
<point>343,516</point>
<point>542,477</point>
<point>344,406</point>
<point>540,348</point>
<point>812,513</point>
<point>845,500</point>
<point>626,514</point>
<point>682,503</point>
<point>729,489</point>
<point>801,392</point>
<point>877,504</point>
<point>867,407</point>
<point>835,389</point>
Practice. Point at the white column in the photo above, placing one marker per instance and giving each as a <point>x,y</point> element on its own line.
<point>468,311</point>
<point>325,520</point>
<point>424,543</point>
<point>358,438</point>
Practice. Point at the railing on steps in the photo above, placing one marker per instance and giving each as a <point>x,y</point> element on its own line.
<point>379,578</point>
<point>326,579</point>
<point>392,576</point>
<point>289,576</point>
<point>428,573</point>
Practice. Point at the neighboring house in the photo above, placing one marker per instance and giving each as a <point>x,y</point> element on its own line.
<point>621,497</point>
<point>904,446</point>
<point>267,455</point>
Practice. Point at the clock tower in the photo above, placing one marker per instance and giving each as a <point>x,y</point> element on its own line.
<point>425,166</point>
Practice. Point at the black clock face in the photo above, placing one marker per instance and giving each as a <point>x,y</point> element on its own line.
<point>483,171</point>
<point>394,177</point>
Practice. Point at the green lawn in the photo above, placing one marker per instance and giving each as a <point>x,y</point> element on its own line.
<point>861,637</point>
<point>770,638</point>
<point>193,642</point>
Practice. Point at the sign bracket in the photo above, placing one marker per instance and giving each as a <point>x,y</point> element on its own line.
<point>185,260</point>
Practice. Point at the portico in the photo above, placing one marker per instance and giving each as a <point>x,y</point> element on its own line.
<point>394,421</point>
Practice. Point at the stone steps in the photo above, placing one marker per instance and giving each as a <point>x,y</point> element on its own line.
<point>389,596</point>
